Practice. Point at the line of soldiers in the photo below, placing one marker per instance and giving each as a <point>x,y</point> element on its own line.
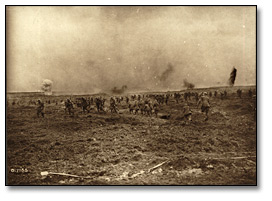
<point>100,102</point>
<point>239,93</point>
<point>144,104</point>
<point>86,103</point>
<point>161,99</point>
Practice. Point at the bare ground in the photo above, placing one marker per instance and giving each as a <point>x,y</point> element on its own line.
<point>124,149</point>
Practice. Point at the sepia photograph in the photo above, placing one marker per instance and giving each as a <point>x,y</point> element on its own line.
<point>131,95</point>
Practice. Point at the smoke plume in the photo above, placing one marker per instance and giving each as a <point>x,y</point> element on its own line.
<point>167,72</point>
<point>47,87</point>
<point>188,85</point>
<point>232,76</point>
<point>115,90</point>
<point>91,49</point>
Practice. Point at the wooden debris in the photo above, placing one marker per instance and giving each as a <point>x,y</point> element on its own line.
<point>234,158</point>
<point>153,168</point>
<point>64,174</point>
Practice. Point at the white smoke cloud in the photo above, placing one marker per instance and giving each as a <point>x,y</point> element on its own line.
<point>47,86</point>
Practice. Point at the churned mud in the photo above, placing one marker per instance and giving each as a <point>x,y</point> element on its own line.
<point>126,149</point>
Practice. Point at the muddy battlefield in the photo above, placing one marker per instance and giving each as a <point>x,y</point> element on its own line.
<point>204,136</point>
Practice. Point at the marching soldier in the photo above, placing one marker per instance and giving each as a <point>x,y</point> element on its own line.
<point>84,105</point>
<point>148,108</point>
<point>130,106</point>
<point>187,113</point>
<point>204,101</point>
<point>113,105</point>
<point>98,104</point>
<point>239,93</point>
<point>210,94</point>
<point>225,93</point>
<point>69,107</point>
<point>40,109</point>
<point>141,106</point>
<point>196,96</point>
<point>167,98</point>
<point>221,95</point>
<point>156,107</point>
<point>136,106</point>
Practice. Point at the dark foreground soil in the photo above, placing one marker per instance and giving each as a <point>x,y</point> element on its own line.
<point>125,149</point>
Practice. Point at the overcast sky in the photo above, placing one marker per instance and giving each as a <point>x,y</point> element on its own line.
<point>93,49</point>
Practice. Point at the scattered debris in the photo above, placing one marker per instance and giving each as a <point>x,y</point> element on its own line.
<point>195,171</point>
<point>159,170</point>
<point>210,166</point>
<point>124,175</point>
<point>64,174</point>
<point>137,174</point>
<point>153,168</point>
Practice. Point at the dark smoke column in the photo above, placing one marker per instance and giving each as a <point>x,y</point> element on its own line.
<point>115,90</point>
<point>167,72</point>
<point>188,85</point>
<point>232,76</point>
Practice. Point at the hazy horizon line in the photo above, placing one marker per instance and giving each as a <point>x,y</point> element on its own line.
<point>131,91</point>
